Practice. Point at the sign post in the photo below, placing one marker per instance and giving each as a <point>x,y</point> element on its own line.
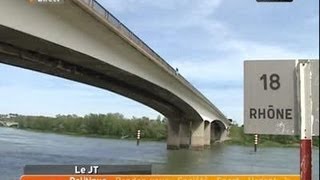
<point>306,121</point>
<point>281,97</point>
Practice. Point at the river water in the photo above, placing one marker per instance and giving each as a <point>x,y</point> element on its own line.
<point>19,147</point>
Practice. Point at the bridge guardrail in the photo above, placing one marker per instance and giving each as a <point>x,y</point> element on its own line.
<point>97,7</point>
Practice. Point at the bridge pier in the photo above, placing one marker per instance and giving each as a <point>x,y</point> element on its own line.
<point>173,137</point>
<point>219,132</point>
<point>185,134</point>
<point>224,135</point>
<point>207,133</point>
<point>197,135</point>
<point>213,134</point>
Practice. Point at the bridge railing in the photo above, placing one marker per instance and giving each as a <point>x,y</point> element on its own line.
<point>98,8</point>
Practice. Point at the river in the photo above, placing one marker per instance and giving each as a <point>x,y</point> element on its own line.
<point>19,147</point>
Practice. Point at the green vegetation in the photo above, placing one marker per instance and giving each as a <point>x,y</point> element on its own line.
<point>238,137</point>
<point>115,125</point>
<point>100,125</point>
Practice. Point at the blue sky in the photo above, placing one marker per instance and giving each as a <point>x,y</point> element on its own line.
<point>207,40</point>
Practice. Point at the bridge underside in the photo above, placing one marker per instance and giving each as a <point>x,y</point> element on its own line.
<point>19,49</point>
<point>185,127</point>
<point>77,42</point>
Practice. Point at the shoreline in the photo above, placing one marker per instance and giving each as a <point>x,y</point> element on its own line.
<point>227,142</point>
<point>88,135</point>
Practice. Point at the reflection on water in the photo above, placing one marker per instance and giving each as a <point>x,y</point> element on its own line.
<point>18,148</point>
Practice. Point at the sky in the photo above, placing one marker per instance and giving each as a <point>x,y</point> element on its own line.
<point>207,40</point>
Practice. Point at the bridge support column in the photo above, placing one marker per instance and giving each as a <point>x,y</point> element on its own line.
<point>173,137</point>
<point>185,134</point>
<point>213,134</point>
<point>224,135</point>
<point>197,135</point>
<point>207,134</point>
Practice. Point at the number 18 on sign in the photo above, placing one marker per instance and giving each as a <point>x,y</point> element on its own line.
<point>270,99</point>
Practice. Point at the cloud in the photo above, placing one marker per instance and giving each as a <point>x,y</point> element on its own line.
<point>230,67</point>
<point>165,13</point>
<point>36,101</point>
<point>221,79</point>
<point>128,6</point>
<point>28,92</point>
<point>313,20</point>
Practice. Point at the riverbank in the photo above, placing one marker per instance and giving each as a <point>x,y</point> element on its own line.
<point>116,126</point>
<point>111,125</point>
<point>91,135</point>
<point>227,142</point>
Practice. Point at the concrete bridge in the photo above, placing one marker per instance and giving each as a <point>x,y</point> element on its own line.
<point>9,124</point>
<point>81,41</point>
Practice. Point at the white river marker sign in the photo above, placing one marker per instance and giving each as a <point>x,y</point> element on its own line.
<point>270,97</point>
